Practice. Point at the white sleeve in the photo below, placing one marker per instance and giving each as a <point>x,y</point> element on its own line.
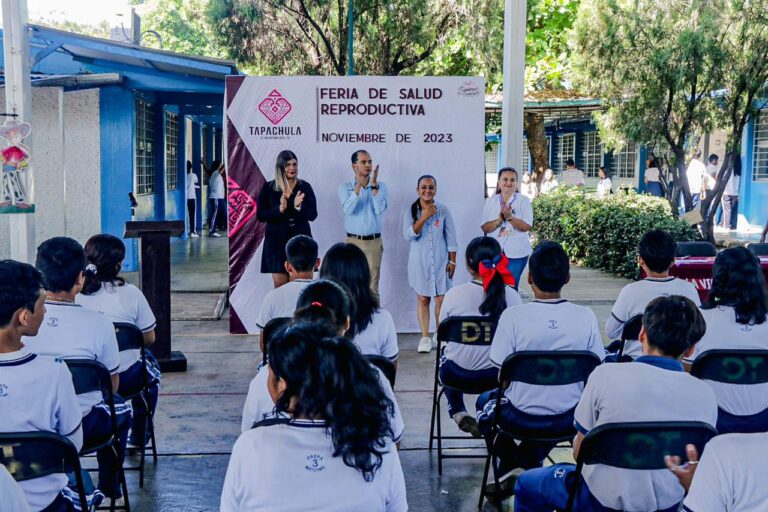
<point>595,340</point>
<point>258,402</point>
<point>231,494</point>
<point>396,418</point>
<point>69,417</point>
<point>503,343</point>
<point>491,209</point>
<point>526,211</point>
<point>513,298</point>
<point>397,501</point>
<point>711,483</point>
<point>447,307</point>
<point>620,313</point>
<point>389,348</point>
<point>587,410</point>
<point>693,294</point>
<point>145,318</point>
<point>265,313</point>
<point>109,353</point>
<point>13,496</point>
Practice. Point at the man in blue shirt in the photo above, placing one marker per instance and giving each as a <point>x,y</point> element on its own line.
<point>364,201</point>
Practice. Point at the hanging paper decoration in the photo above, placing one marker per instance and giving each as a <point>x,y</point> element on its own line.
<point>15,160</point>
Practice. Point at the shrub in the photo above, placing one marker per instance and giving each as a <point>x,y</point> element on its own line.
<point>604,233</point>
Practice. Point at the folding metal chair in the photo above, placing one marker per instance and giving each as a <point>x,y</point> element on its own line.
<point>540,368</point>
<point>631,331</point>
<point>467,330</point>
<point>29,455</point>
<point>269,332</point>
<point>88,376</point>
<point>637,445</point>
<point>129,337</point>
<point>699,248</point>
<point>758,249</point>
<point>386,366</point>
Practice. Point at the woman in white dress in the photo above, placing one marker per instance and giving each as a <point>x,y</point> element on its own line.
<point>529,187</point>
<point>549,183</point>
<point>604,186</point>
<point>507,217</point>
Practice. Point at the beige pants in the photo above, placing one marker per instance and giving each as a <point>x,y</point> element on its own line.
<point>373,250</point>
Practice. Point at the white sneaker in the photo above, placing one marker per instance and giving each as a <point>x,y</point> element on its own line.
<point>194,235</point>
<point>215,235</point>
<point>425,345</point>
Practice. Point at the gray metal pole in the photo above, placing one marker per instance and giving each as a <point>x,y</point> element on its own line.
<point>351,38</point>
<point>514,83</point>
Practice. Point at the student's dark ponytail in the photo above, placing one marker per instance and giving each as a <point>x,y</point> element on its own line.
<point>324,302</point>
<point>104,254</point>
<point>481,249</point>
<point>328,379</point>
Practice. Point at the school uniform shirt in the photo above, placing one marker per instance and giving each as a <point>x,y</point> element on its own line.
<point>428,251</point>
<point>724,333</point>
<point>650,388</point>
<point>573,177</point>
<point>281,302</point>
<point>529,190</point>
<point>296,470</point>
<point>37,394</point>
<point>732,185</point>
<point>731,475</point>
<point>124,304</point>
<point>70,331</point>
<point>191,185</point>
<point>465,300</point>
<point>695,174</point>
<point>548,186</point>
<point>259,405</point>
<point>13,497</point>
<point>604,187</point>
<point>379,338</point>
<point>514,243</point>
<point>545,325</point>
<point>216,186</point>
<point>652,175</point>
<point>710,176</point>
<point>633,299</point>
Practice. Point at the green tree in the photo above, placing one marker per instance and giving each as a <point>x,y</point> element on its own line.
<point>303,37</point>
<point>655,64</point>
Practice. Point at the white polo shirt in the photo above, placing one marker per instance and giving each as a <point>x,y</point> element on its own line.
<point>281,302</point>
<point>379,338</point>
<point>289,467</point>
<point>695,174</point>
<point>71,331</point>
<point>573,177</point>
<point>514,243</point>
<point>191,185</point>
<point>216,186</point>
<point>260,406</point>
<point>633,299</point>
<point>731,475</point>
<point>545,325</point>
<point>13,497</point>
<point>465,300</point>
<point>732,186</point>
<point>36,394</point>
<point>724,333</point>
<point>126,304</point>
<point>648,389</point>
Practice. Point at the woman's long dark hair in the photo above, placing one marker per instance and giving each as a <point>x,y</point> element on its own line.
<point>738,282</point>
<point>502,171</point>
<point>330,380</point>
<point>415,207</point>
<point>326,303</point>
<point>347,265</point>
<point>487,248</point>
<point>106,253</point>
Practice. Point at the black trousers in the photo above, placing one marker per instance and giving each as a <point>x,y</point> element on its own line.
<point>192,211</point>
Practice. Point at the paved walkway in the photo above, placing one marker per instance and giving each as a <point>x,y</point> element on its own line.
<point>199,413</point>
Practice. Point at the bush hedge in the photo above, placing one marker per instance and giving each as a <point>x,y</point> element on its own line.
<point>604,233</point>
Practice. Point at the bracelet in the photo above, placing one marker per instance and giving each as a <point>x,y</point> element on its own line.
<point>452,263</point>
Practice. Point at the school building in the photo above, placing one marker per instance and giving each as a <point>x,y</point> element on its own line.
<point>111,118</point>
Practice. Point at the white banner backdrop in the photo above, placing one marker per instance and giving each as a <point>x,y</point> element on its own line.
<point>410,126</point>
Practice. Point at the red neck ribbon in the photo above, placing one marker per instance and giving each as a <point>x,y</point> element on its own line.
<point>499,265</point>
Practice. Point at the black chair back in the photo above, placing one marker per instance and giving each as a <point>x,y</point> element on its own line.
<point>386,366</point>
<point>129,337</point>
<point>548,367</point>
<point>269,332</point>
<point>467,330</point>
<point>29,455</point>
<point>700,248</point>
<point>732,366</point>
<point>89,375</point>
<point>631,329</point>
<point>758,249</point>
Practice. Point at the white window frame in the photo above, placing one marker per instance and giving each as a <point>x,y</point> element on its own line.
<point>592,155</point>
<point>565,141</point>
<point>623,161</point>
<point>760,148</point>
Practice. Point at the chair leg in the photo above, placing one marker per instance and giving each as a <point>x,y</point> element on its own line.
<point>495,465</point>
<point>435,399</point>
<point>485,476</point>
<point>151,427</point>
<point>439,436</point>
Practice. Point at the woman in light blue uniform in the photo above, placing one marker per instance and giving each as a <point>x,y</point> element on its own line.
<point>431,233</point>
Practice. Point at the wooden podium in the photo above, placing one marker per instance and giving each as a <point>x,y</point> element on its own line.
<point>155,281</point>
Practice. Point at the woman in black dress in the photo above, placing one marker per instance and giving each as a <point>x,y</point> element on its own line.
<point>287,205</point>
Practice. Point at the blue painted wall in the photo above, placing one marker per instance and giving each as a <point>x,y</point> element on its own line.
<point>175,200</point>
<point>202,192</point>
<point>753,195</point>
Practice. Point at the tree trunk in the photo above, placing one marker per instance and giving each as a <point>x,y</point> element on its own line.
<point>537,145</point>
<point>732,159</point>
<point>681,183</point>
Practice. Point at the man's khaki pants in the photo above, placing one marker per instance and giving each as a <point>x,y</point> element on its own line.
<point>373,250</point>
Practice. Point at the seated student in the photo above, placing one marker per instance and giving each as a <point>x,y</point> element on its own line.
<point>730,476</point>
<point>37,391</point>
<point>332,451</point>
<point>302,261</point>
<point>549,322</point>
<point>656,253</point>
<point>489,293</point>
<point>108,293</point>
<point>371,328</point>
<point>736,320</point>
<point>71,331</point>
<point>327,304</point>
<point>652,388</point>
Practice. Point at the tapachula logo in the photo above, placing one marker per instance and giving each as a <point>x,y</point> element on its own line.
<point>275,107</point>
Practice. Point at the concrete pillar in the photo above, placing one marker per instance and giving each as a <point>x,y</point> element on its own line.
<point>514,82</point>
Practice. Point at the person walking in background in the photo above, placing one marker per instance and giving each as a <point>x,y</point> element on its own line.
<point>429,229</point>
<point>192,200</point>
<point>710,174</point>
<point>653,178</point>
<point>529,189</point>
<point>604,186</point>
<point>364,201</point>
<point>215,192</point>
<point>730,201</point>
<point>572,176</point>
<point>549,183</point>
<point>695,174</point>
<point>507,217</point>
<point>287,205</point>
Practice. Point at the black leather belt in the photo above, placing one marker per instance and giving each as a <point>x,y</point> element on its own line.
<point>365,237</point>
